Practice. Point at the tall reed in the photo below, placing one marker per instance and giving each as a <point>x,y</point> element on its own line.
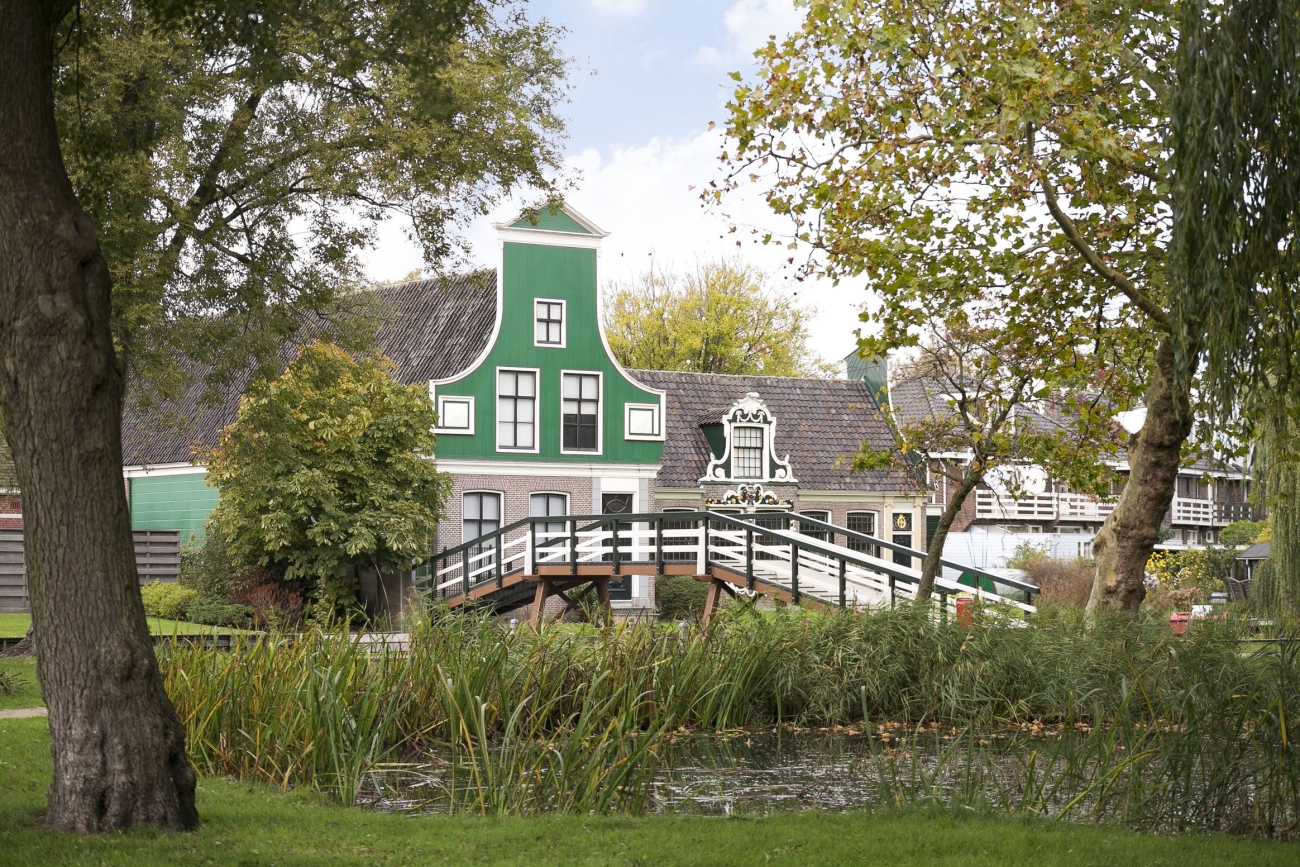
<point>535,722</point>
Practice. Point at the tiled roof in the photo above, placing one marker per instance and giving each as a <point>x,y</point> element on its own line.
<point>820,423</point>
<point>431,329</point>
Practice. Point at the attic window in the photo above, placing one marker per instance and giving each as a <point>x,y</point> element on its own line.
<point>747,452</point>
<point>548,322</point>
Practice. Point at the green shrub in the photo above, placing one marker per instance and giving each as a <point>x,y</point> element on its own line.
<point>211,611</point>
<point>208,568</point>
<point>10,682</point>
<point>167,600</point>
<point>680,597</point>
<point>1240,533</point>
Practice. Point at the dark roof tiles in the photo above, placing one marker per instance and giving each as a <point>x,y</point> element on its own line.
<point>820,423</point>
<point>431,329</point>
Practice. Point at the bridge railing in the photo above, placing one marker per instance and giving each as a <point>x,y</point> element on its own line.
<point>736,542</point>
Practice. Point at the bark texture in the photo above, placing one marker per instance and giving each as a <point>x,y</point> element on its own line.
<point>117,743</point>
<point>934,550</point>
<point>1129,534</point>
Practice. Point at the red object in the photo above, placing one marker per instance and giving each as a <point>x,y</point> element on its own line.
<point>1178,622</point>
<point>965,611</point>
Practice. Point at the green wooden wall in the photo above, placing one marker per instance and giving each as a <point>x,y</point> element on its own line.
<point>172,503</point>
<point>534,271</point>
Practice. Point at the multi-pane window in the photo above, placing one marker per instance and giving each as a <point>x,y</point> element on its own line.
<point>813,530</point>
<point>864,523</point>
<point>548,323</point>
<point>746,452</point>
<point>674,540</point>
<point>581,411</point>
<point>547,506</point>
<point>516,409</point>
<point>480,515</point>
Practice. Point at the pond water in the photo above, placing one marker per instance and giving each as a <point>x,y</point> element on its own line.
<point>754,772</point>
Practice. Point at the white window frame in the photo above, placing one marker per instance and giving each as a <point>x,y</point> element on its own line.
<point>600,412</point>
<point>501,510</point>
<point>442,401</point>
<point>764,465</point>
<point>537,410</point>
<point>657,409</point>
<point>564,323</point>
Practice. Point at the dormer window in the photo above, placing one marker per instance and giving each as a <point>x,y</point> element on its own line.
<point>548,322</point>
<point>746,452</point>
<point>742,445</point>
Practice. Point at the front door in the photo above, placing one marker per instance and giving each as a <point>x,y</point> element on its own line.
<point>619,504</point>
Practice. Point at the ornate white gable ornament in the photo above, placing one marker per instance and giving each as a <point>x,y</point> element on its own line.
<point>750,411</point>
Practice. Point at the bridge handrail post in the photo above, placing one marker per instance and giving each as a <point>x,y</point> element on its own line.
<point>659,545</point>
<point>891,591</point>
<point>613,537</point>
<point>749,560</point>
<point>702,565</point>
<point>532,548</point>
<point>943,607</point>
<point>573,546</point>
<point>501,575</point>
<point>794,574</point>
<point>843,581</point>
<point>464,574</point>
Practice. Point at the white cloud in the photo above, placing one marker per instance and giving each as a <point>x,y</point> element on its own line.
<point>749,23</point>
<point>626,8</point>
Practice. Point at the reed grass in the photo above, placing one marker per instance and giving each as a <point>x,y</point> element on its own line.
<point>573,718</point>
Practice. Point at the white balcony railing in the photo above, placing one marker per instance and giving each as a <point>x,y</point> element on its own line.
<point>1040,507</point>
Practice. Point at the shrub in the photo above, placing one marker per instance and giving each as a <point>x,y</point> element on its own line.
<point>1240,533</point>
<point>1068,583</point>
<point>211,611</point>
<point>680,597</point>
<point>1028,555</point>
<point>207,568</point>
<point>274,607</point>
<point>167,600</point>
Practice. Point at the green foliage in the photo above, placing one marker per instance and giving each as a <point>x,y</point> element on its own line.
<point>1027,555</point>
<point>721,318</point>
<point>10,683</point>
<point>328,468</point>
<point>207,567</point>
<point>915,145</point>
<point>170,601</point>
<point>680,597</point>
<point>1234,264</point>
<point>241,168</point>
<point>1201,569</point>
<point>214,611</point>
<point>1241,533</point>
<point>1275,588</point>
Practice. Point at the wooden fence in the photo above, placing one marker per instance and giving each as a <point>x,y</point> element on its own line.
<point>157,558</point>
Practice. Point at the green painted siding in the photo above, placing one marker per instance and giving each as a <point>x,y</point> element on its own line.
<point>529,272</point>
<point>172,503</point>
<point>554,222</point>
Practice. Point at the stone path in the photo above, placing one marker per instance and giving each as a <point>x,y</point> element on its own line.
<point>23,713</point>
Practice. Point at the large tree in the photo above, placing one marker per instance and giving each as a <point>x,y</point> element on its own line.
<point>722,317</point>
<point>1009,153</point>
<point>219,146</point>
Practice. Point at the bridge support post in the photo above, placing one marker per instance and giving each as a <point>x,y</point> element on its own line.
<point>539,603</point>
<point>716,588</point>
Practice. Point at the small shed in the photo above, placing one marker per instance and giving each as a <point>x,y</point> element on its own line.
<point>1243,570</point>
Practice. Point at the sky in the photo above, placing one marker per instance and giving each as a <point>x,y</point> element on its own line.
<point>649,77</point>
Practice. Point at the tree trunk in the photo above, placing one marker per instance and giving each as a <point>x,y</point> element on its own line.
<point>934,550</point>
<point>1129,534</point>
<point>117,743</point>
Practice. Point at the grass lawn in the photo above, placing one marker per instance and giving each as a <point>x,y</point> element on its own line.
<point>252,825</point>
<point>15,626</point>
<point>29,694</point>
